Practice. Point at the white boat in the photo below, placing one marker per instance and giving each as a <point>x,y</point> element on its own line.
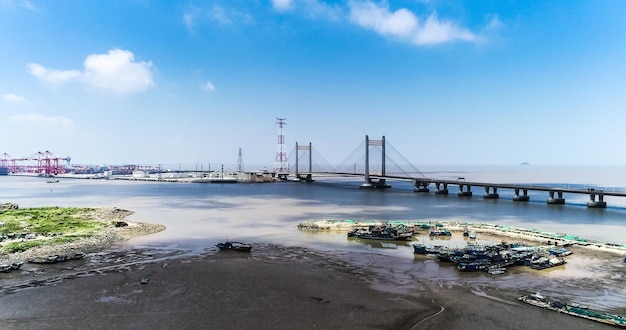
<point>496,270</point>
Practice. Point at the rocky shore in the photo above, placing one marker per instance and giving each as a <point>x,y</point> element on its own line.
<point>110,236</point>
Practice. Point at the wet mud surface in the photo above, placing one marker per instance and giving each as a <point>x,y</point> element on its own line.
<point>285,287</point>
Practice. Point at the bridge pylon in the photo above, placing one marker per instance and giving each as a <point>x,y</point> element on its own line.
<point>371,183</point>
<point>304,177</point>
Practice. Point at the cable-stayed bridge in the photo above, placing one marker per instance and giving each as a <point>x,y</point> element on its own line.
<point>372,159</point>
<point>377,162</point>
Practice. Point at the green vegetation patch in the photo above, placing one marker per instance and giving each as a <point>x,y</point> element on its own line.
<point>22,229</point>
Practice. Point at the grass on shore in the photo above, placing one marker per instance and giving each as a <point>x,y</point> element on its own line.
<point>48,224</point>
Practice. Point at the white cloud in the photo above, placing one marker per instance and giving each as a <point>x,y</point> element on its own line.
<point>494,25</point>
<point>317,9</point>
<point>434,31</point>
<point>209,87</point>
<point>35,121</point>
<point>221,16</point>
<point>51,75</point>
<point>13,98</point>
<point>118,72</point>
<point>28,5</point>
<point>282,5</point>
<point>404,25</point>
<point>197,16</point>
<point>188,19</point>
<point>25,4</point>
<point>115,71</point>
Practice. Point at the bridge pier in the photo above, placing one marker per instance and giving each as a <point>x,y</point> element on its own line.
<point>491,195</point>
<point>464,193</point>
<point>441,188</point>
<point>373,184</point>
<point>304,178</point>
<point>599,204</point>
<point>559,200</point>
<point>421,187</point>
<point>521,198</point>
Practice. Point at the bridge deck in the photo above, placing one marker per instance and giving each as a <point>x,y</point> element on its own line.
<point>457,182</point>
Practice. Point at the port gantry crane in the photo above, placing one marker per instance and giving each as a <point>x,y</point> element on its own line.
<point>46,163</point>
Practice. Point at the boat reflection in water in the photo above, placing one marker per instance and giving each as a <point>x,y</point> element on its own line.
<point>380,244</point>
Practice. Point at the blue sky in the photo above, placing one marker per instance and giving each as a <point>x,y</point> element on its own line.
<point>447,82</point>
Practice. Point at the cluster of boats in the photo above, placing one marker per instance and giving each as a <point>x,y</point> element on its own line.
<point>398,232</point>
<point>574,309</point>
<point>495,258</point>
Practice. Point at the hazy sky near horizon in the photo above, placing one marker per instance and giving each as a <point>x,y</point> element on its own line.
<point>446,82</point>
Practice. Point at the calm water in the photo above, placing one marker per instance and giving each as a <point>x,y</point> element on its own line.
<point>199,213</point>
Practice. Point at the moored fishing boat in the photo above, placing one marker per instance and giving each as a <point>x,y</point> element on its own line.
<point>234,246</point>
<point>383,232</point>
<point>574,309</point>
<point>472,266</point>
<point>439,232</point>
<point>420,248</point>
<point>547,262</point>
<point>495,270</point>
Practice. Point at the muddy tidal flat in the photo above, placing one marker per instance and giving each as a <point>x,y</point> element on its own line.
<point>275,287</point>
<point>118,286</point>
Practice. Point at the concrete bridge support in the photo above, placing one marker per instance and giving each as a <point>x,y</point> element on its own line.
<point>375,184</point>
<point>559,200</point>
<point>521,198</point>
<point>304,178</point>
<point>491,195</point>
<point>441,188</point>
<point>599,204</point>
<point>463,192</point>
<point>421,187</point>
<point>370,183</point>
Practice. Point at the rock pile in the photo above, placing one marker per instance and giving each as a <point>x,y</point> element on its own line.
<point>9,206</point>
<point>107,238</point>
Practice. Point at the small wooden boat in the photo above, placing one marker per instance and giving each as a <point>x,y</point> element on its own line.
<point>494,270</point>
<point>234,246</point>
<point>439,232</point>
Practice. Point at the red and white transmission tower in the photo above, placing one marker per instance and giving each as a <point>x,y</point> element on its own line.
<point>281,166</point>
